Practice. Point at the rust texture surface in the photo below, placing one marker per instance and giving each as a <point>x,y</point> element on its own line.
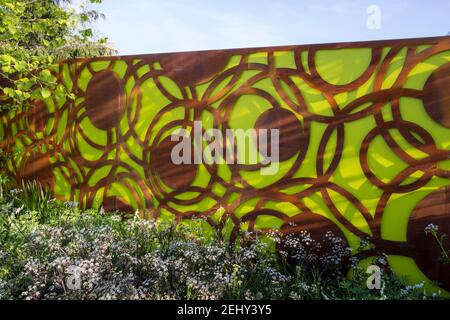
<point>364,141</point>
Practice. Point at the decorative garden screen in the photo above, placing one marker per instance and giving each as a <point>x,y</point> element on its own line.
<point>364,141</point>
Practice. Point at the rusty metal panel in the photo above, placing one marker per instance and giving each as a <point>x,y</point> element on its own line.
<point>364,140</point>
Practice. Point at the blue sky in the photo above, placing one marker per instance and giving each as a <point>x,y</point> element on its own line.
<point>149,26</point>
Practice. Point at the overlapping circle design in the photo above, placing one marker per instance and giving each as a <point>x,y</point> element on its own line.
<point>111,146</point>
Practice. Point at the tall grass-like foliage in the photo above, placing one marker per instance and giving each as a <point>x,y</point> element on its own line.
<point>35,196</point>
<point>4,179</point>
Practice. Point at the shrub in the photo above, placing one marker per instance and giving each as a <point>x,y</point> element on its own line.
<point>67,253</point>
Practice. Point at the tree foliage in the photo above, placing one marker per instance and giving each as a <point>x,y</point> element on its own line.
<point>34,35</point>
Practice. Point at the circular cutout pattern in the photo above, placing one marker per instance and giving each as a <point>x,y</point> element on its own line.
<point>436,95</point>
<point>291,135</point>
<point>104,90</point>
<point>158,93</point>
<point>174,176</point>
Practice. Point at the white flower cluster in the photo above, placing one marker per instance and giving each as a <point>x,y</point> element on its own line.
<point>138,259</point>
<point>327,255</point>
<point>431,228</point>
<point>88,256</point>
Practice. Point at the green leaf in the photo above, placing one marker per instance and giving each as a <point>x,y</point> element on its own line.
<point>34,36</point>
<point>12,29</point>
<point>6,69</point>
<point>45,93</point>
<point>46,73</point>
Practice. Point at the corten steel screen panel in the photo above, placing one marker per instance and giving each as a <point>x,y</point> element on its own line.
<point>364,141</point>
